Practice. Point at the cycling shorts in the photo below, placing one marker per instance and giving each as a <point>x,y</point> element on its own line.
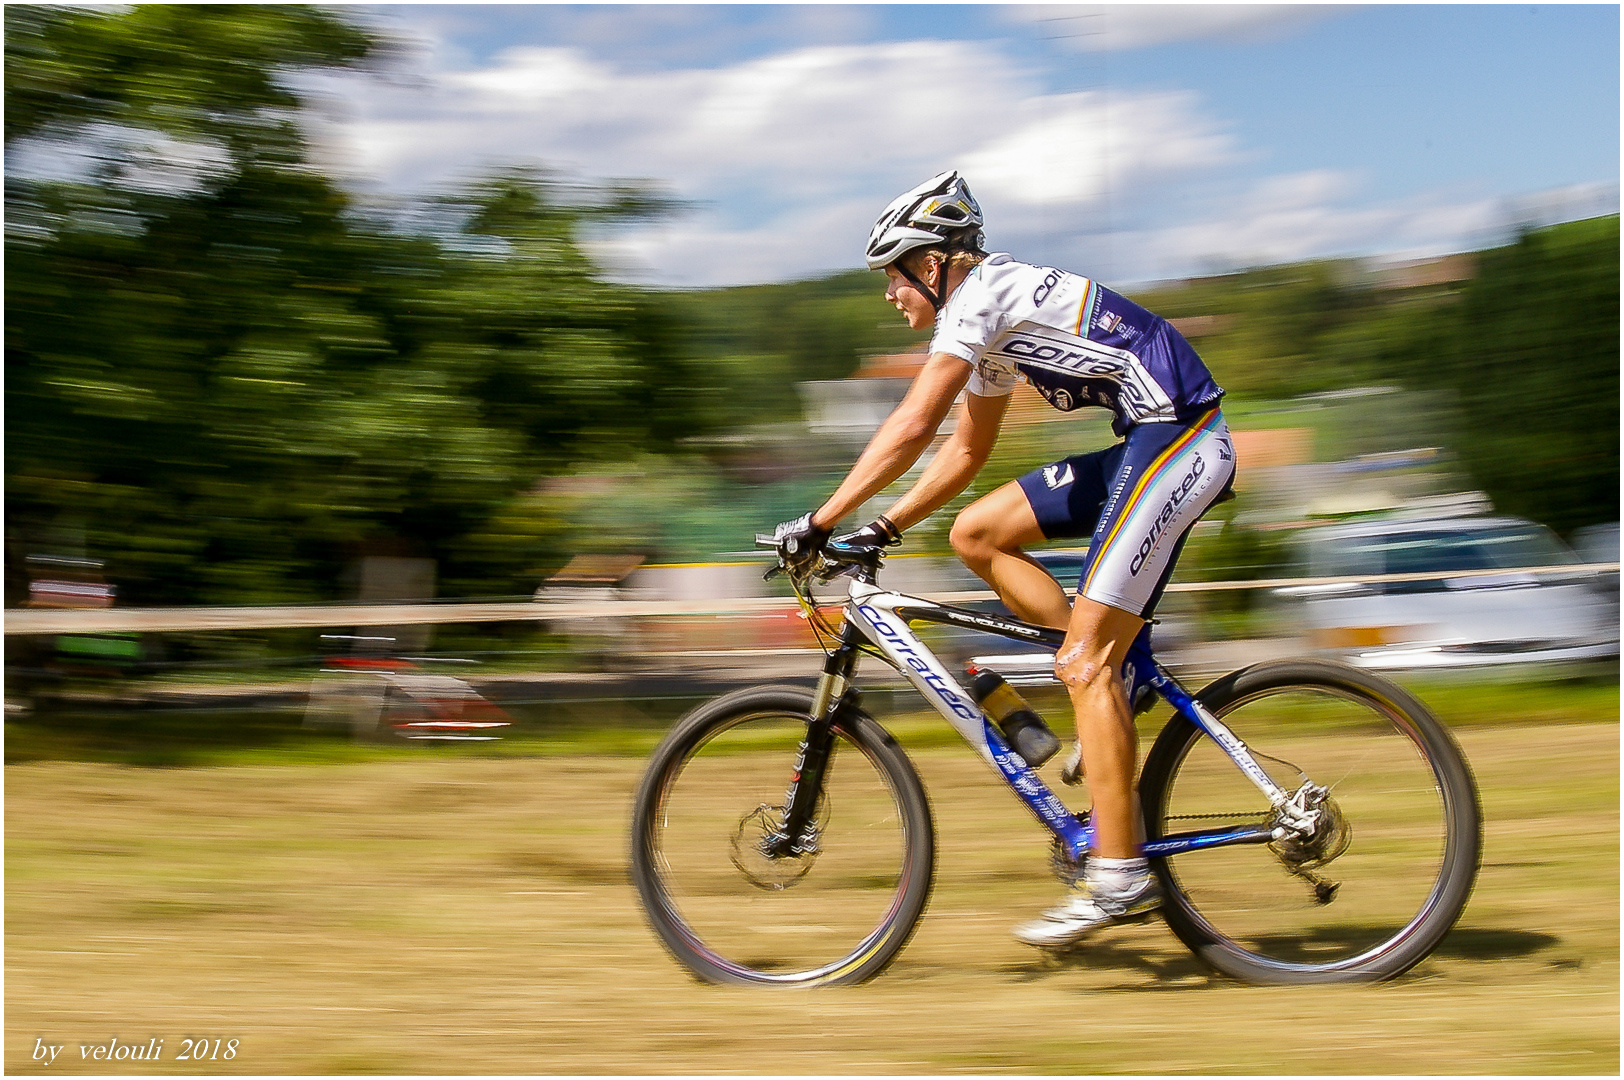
<point>1137,500</point>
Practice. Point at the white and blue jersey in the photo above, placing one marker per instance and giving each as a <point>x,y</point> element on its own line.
<point>1081,344</point>
<point>1077,342</point>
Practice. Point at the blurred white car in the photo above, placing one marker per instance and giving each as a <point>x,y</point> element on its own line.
<point>1507,616</point>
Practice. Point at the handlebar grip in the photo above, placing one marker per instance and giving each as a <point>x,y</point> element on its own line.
<point>765,540</point>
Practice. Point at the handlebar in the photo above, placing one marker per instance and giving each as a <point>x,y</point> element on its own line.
<point>834,560</point>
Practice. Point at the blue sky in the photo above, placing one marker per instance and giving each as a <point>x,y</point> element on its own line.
<point>1132,142</point>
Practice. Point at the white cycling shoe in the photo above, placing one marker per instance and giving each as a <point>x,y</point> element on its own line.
<point>1085,909</point>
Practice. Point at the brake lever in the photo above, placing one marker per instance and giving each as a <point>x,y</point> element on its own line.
<point>768,541</point>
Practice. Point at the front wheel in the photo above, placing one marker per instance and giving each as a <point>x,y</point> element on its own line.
<point>1381,880</point>
<point>732,906</point>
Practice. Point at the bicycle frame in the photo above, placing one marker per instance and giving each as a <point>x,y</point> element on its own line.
<point>881,619</point>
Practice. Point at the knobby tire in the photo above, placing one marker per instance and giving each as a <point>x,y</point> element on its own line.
<point>710,791</point>
<point>1402,785</point>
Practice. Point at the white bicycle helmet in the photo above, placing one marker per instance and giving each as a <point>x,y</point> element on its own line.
<point>941,212</point>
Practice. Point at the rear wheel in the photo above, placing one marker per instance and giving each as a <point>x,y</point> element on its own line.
<point>838,908</point>
<point>1381,880</point>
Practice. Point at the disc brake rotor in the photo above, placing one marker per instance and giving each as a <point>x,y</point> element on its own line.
<point>751,844</point>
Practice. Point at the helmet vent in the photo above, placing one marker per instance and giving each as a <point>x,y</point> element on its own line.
<point>938,213</point>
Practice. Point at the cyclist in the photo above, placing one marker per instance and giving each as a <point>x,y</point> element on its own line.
<point>998,322</point>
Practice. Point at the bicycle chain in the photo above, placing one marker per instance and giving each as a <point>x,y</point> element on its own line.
<point>1194,817</point>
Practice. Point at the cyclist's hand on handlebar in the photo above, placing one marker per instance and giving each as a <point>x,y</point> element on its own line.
<point>878,533</point>
<point>799,542</point>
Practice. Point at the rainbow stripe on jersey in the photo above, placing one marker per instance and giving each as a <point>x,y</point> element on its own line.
<point>1137,505</point>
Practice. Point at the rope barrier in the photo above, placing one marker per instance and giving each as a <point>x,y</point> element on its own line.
<point>172,620</point>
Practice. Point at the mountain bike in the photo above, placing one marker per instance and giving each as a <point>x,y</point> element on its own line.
<point>780,836</point>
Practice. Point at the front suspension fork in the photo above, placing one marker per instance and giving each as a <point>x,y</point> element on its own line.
<point>797,832</point>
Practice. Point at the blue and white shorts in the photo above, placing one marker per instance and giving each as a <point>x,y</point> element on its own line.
<point>1138,501</point>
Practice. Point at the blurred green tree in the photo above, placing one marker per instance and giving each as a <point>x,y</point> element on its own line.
<point>179,276</point>
<point>225,379</point>
<point>1277,332</point>
<point>761,341</point>
<point>212,74</point>
<point>1531,353</point>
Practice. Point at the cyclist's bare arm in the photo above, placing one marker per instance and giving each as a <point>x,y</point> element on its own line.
<point>956,463</point>
<point>906,434</point>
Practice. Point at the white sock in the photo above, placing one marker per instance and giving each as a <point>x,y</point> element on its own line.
<point>1116,877</point>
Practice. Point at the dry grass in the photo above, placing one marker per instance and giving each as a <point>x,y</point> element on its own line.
<point>445,914</point>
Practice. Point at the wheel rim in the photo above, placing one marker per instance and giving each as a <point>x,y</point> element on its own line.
<point>823,917</point>
<point>1389,796</point>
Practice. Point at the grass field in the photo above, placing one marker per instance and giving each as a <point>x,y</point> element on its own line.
<point>441,913</point>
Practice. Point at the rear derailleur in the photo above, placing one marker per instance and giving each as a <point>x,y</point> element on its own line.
<point>1310,831</point>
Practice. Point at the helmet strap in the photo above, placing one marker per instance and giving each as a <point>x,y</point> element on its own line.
<point>936,299</point>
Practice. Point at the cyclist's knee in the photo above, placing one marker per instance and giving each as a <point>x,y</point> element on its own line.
<point>968,537</point>
<point>1080,666</point>
<point>977,536</point>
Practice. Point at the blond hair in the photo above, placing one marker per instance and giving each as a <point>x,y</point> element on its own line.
<point>958,258</point>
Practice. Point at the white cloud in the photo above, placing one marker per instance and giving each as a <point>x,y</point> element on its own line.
<point>1079,147</point>
<point>530,79</point>
<point>768,146</point>
<point>138,159</point>
<point>702,249</point>
<point>1569,203</point>
<point>788,157</point>
<point>809,118</point>
<point>1277,219</point>
<point>1312,215</point>
<point>1118,27</point>
<point>1295,191</point>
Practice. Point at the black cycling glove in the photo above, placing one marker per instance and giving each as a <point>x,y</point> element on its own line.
<point>878,533</point>
<point>799,541</point>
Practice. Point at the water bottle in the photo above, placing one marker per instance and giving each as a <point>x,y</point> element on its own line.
<point>1024,729</point>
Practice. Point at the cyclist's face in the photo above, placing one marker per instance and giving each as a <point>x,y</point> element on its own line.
<point>908,299</point>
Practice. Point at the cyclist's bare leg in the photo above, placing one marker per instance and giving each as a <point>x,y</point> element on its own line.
<point>989,534</point>
<point>1088,663</point>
